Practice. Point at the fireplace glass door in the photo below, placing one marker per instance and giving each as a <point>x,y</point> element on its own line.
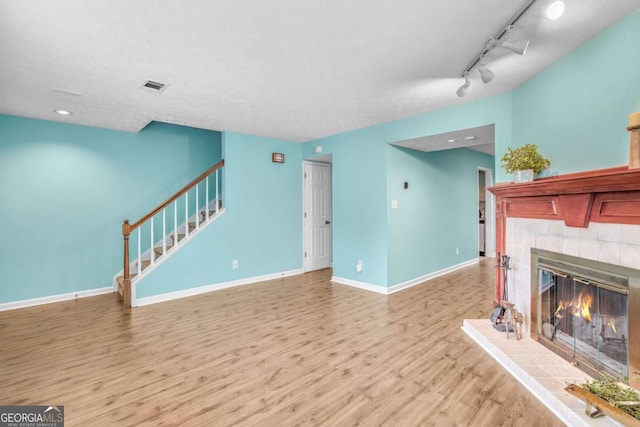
<point>584,321</point>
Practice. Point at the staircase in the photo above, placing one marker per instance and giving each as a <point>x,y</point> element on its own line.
<point>161,232</point>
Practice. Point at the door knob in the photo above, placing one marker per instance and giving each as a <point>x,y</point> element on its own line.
<point>327,222</point>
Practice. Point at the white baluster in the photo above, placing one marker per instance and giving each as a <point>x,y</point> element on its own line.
<point>139,250</point>
<point>217,201</point>
<point>175,222</point>
<point>206,203</point>
<point>153,253</point>
<point>186,214</point>
<point>197,205</point>
<point>164,232</point>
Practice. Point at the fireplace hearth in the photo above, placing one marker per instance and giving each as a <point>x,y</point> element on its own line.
<point>586,311</point>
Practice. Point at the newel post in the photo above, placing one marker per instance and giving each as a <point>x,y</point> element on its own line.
<point>634,142</point>
<point>126,285</point>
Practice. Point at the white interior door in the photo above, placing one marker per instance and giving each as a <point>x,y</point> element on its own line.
<point>317,216</point>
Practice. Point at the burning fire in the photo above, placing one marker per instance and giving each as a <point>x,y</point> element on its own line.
<point>580,308</point>
<point>560,307</point>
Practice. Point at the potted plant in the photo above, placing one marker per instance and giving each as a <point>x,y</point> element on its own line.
<point>610,396</point>
<point>523,162</point>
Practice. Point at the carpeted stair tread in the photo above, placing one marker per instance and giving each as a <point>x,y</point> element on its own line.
<point>203,214</point>
<point>180,237</point>
<point>158,250</point>
<point>144,264</point>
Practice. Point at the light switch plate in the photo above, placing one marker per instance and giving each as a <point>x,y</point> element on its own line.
<point>394,204</point>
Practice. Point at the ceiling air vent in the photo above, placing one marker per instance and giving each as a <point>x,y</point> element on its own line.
<point>155,86</point>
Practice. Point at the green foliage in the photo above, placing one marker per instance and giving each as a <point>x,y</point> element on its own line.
<point>525,157</point>
<point>610,389</point>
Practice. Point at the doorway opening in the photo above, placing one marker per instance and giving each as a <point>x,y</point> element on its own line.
<point>481,213</point>
<point>486,236</point>
<point>316,215</point>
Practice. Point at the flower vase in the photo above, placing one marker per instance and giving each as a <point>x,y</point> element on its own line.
<point>525,175</point>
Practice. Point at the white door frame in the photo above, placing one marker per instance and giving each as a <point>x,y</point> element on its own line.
<point>489,212</point>
<point>304,231</point>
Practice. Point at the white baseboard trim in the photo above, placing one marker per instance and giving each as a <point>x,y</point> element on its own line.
<point>54,298</point>
<point>139,302</point>
<point>359,285</point>
<point>418,280</point>
<point>403,285</point>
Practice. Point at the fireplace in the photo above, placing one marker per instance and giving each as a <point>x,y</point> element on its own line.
<point>574,243</point>
<point>587,312</point>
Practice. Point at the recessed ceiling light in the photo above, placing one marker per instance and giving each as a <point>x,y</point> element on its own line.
<point>469,138</point>
<point>64,112</point>
<point>451,140</point>
<point>555,10</point>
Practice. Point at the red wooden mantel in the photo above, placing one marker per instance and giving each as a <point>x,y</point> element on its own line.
<point>604,195</point>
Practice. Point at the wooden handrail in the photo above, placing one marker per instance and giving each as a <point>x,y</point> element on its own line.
<point>167,202</point>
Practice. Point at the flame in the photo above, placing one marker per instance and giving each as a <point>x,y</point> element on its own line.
<point>580,308</point>
<point>612,323</point>
<point>560,307</point>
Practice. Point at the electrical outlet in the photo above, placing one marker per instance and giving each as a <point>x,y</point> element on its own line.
<point>235,264</point>
<point>457,251</point>
<point>359,266</point>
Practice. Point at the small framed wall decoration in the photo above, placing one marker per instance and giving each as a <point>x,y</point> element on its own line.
<point>277,158</point>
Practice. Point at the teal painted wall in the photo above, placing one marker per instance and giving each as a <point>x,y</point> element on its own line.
<point>262,227</point>
<point>577,110</point>
<point>436,214</point>
<point>360,200</point>
<point>66,189</point>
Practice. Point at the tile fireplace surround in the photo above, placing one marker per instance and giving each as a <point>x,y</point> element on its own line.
<point>593,215</point>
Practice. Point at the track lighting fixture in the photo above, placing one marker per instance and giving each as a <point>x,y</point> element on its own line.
<point>462,90</point>
<point>515,46</point>
<point>554,11</point>
<point>485,74</point>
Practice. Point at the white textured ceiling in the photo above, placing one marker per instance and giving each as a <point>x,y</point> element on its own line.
<point>290,69</point>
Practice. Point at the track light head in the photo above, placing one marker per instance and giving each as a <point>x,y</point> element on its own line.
<point>519,47</point>
<point>462,90</point>
<point>486,75</point>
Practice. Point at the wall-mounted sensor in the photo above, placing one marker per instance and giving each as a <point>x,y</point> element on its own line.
<point>406,185</point>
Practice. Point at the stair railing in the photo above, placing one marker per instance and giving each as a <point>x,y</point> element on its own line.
<point>128,228</point>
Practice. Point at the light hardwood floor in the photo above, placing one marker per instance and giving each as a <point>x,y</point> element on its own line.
<point>295,351</point>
